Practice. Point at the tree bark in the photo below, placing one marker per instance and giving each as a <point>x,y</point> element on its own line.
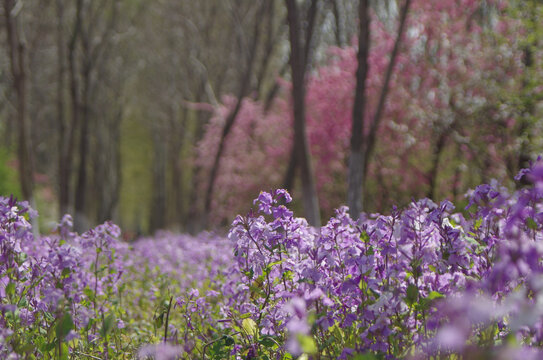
<point>432,176</point>
<point>384,91</point>
<point>63,191</point>
<point>68,141</point>
<point>158,206</point>
<point>271,42</point>
<point>290,175</point>
<point>193,221</point>
<point>338,30</point>
<point>81,222</point>
<point>301,145</point>
<point>361,152</point>
<point>526,119</point>
<point>94,45</point>
<point>16,51</point>
<point>177,131</point>
<point>357,158</point>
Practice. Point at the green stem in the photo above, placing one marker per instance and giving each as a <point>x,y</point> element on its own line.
<point>167,319</point>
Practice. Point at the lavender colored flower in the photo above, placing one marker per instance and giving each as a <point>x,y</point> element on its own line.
<point>160,352</point>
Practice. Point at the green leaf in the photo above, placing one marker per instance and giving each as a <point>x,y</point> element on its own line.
<point>272,264</point>
<point>228,340</point>
<point>10,289</point>
<point>88,292</point>
<point>412,294</point>
<point>107,325</point>
<point>531,223</point>
<point>65,272</point>
<point>20,258</point>
<point>435,295</point>
<point>249,273</point>
<point>159,320</point>
<point>64,326</point>
<point>90,324</point>
<point>48,346</point>
<point>365,357</point>
<point>267,341</point>
<point>307,343</point>
<point>26,348</point>
<point>478,223</point>
<point>65,352</point>
<point>249,326</point>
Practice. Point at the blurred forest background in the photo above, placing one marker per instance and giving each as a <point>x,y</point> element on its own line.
<point>176,113</point>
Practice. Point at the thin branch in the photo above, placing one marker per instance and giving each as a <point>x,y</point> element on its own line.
<point>370,144</point>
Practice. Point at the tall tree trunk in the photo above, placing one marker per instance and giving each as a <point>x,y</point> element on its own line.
<point>457,177</point>
<point>362,149</point>
<point>357,158</point>
<point>432,176</point>
<point>63,191</point>
<point>193,220</point>
<point>272,93</point>
<point>384,91</point>
<point>290,175</point>
<point>111,200</point>
<point>526,119</point>
<point>529,60</point>
<point>68,144</point>
<point>110,210</point>
<point>245,85</point>
<point>16,50</point>
<point>338,30</point>
<point>176,144</point>
<point>106,164</point>
<point>94,40</point>
<point>271,43</point>
<point>81,221</point>
<point>158,206</point>
<point>301,145</point>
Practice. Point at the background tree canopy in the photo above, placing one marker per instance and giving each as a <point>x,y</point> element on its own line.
<point>175,114</point>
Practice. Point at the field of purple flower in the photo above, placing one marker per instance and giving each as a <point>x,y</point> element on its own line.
<point>422,282</point>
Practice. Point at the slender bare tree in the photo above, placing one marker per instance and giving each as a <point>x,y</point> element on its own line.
<point>17,61</point>
<point>244,89</point>
<point>362,146</point>
<point>357,157</point>
<point>299,53</point>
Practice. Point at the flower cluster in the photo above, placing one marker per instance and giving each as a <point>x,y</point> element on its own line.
<point>421,281</point>
<point>54,289</point>
<point>423,278</point>
<point>370,285</point>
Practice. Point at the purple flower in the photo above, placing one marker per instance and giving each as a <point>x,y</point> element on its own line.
<point>194,293</point>
<point>160,352</point>
<point>282,193</point>
<point>451,338</point>
<point>265,202</point>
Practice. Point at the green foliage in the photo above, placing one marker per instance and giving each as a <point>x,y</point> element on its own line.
<point>64,326</point>
<point>136,187</point>
<point>9,183</point>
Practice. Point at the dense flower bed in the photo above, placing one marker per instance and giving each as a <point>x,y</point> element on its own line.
<point>421,282</point>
